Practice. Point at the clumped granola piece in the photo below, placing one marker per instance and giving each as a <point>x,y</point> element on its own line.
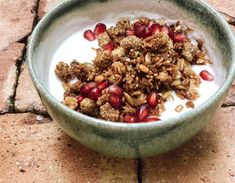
<point>103,39</point>
<point>71,102</point>
<point>115,32</point>
<point>158,43</point>
<point>189,51</point>
<point>107,112</point>
<point>79,70</point>
<point>118,52</point>
<point>131,42</point>
<point>124,24</point>
<point>63,71</point>
<point>103,59</point>
<point>88,106</point>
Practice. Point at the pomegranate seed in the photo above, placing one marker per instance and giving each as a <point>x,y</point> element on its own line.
<point>143,112</point>
<point>130,33</point>
<point>99,28</point>
<point>103,85</point>
<point>205,75</point>
<point>85,89</point>
<point>79,98</point>
<point>151,119</point>
<point>140,31</point>
<point>115,101</point>
<point>137,24</point>
<point>110,46</point>
<point>114,89</point>
<point>152,99</point>
<point>178,37</point>
<point>166,29</point>
<point>94,93</point>
<point>89,35</point>
<point>154,28</point>
<point>130,119</point>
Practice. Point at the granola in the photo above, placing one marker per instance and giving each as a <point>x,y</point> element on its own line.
<point>136,68</point>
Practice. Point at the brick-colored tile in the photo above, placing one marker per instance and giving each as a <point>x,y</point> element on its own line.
<point>209,157</point>
<point>27,98</point>
<point>8,59</point>
<point>37,151</point>
<point>16,20</point>
<point>226,6</point>
<point>46,5</point>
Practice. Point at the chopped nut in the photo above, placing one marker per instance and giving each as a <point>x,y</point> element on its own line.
<point>99,78</point>
<point>144,68</point>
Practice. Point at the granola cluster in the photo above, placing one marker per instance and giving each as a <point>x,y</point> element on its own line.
<point>135,70</point>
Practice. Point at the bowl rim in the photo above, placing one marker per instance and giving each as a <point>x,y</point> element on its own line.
<point>179,119</point>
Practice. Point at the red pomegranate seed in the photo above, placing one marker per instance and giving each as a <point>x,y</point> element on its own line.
<point>115,101</point>
<point>178,37</point>
<point>151,119</point>
<point>79,98</point>
<point>85,89</point>
<point>114,89</point>
<point>143,112</point>
<point>152,99</point>
<point>155,28</point>
<point>165,29</point>
<point>130,119</point>
<point>205,75</point>
<point>130,33</point>
<point>89,35</point>
<point>94,93</point>
<point>99,28</point>
<point>110,46</point>
<point>103,85</point>
<point>137,24</point>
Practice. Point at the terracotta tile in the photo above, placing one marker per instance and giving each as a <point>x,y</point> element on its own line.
<point>8,59</point>
<point>34,149</point>
<point>45,6</point>
<point>27,98</point>
<point>226,6</point>
<point>209,157</point>
<point>16,20</point>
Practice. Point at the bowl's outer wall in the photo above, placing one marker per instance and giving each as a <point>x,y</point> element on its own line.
<point>140,140</point>
<point>132,144</point>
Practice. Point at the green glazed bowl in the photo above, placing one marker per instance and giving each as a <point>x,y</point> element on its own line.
<point>120,139</point>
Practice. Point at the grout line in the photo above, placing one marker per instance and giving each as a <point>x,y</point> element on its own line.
<point>230,19</point>
<point>46,115</point>
<point>227,105</point>
<point>18,72</point>
<point>24,41</point>
<point>139,170</point>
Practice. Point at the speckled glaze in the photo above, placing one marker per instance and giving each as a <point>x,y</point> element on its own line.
<point>131,140</point>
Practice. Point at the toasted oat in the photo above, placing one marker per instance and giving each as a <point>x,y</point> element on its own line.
<point>190,104</point>
<point>179,108</point>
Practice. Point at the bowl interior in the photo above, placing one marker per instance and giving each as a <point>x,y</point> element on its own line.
<point>60,36</point>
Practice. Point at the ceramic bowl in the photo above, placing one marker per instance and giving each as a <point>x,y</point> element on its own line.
<point>57,37</point>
